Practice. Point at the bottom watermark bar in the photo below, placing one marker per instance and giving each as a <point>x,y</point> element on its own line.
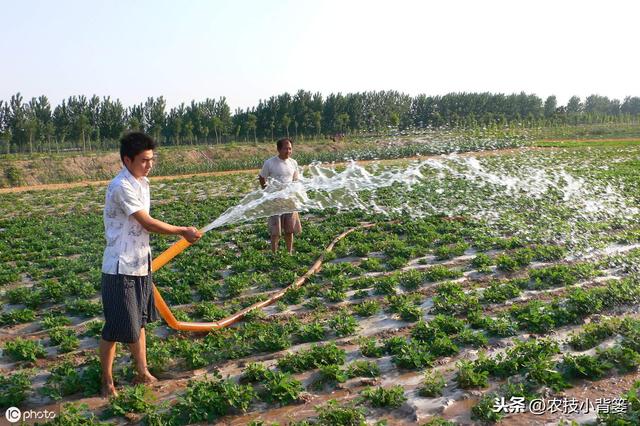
<point>564,405</point>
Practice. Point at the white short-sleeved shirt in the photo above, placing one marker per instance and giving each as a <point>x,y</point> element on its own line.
<point>285,171</point>
<point>127,251</point>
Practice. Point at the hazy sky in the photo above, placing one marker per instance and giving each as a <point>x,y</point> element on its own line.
<point>250,50</point>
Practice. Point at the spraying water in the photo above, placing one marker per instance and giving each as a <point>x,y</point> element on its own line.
<point>329,189</point>
<point>449,185</point>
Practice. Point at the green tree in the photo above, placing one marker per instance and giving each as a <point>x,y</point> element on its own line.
<point>550,106</point>
<point>394,119</point>
<point>111,119</point>
<point>204,131</point>
<point>252,121</point>
<point>343,122</point>
<point>31,125</point>
<point>286,122</point>
<point>596,104</point>
<point>223,112</point>
<point>17,122</point>
<point>80,124</point>
<point>317,122</point>
<point>154,116</point>
<point>216,125</point>
<point>187,131</point>
<point>5,128</point>
<point>49,131</point>
<point>631,106</point>
<point>62,124</point>
<point>574,106</point>
<point>135,118</point>
<point>83,127</point>
<point>174,124</point>
<point>93,116</point>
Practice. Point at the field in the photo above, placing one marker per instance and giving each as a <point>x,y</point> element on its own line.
<point>508,273</point>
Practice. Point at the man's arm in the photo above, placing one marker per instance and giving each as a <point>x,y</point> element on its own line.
<point>150,224</point>
<point>264,174</point>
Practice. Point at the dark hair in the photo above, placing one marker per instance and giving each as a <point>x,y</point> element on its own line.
<point>134,143</point>
<point>282,141</point>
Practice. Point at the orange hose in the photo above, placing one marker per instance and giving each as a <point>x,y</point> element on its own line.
<point>182,244</point>
<point>169,254</point>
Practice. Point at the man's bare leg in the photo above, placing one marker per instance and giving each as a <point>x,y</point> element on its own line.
<point>139,354</point>
<point>275,239</point>
<point>288,239</point>
<point>107,355</point>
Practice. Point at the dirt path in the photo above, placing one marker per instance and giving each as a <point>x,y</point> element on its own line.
<point>54,186</point>
<point>57,186</point>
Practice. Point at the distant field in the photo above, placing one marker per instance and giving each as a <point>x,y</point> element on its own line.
<point>17,170</point>
<point>593,143</point>
<point>38,169</point>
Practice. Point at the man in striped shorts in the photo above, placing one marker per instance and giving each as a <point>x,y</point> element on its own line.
<point>127,289</point>
<point>284,169</point>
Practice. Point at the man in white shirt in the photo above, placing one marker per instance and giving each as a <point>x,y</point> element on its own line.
<point>127,289</point>
<point>284,169</point>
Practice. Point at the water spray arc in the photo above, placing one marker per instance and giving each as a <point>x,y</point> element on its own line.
<point>332,189</point>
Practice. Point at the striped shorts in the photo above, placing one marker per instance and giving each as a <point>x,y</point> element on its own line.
<point>128,306</point>
<point>288,223</point>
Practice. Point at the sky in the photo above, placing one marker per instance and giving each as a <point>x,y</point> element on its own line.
<point>251,50</point>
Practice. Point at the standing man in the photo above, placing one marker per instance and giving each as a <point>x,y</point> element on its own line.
<point>127,289</point>
<point>284,169</point>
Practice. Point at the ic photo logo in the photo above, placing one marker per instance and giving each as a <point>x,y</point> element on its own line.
<point>13,414</point>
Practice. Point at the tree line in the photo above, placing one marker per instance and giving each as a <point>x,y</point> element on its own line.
<point>82,123</point>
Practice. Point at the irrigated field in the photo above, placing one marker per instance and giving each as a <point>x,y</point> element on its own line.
<point>512,275</point>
